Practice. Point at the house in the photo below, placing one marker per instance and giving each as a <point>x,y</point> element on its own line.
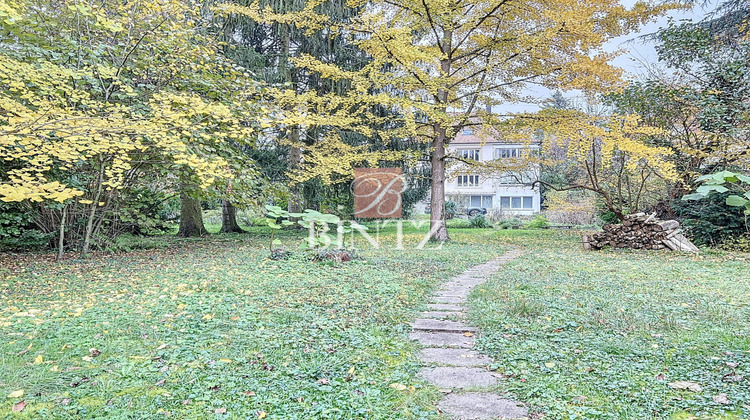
<point>508,192</point>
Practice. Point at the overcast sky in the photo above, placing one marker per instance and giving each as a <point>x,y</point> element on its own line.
<point>639,51</point>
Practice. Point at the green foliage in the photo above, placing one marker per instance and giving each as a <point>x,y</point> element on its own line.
<point>539,221</point>
<point>479,221</point>
<point>710,221</point>
<point>510,223</point>
<point>721,182</point>
<point>609,217</point>
<point>17,231</point>
<point>451,209</point>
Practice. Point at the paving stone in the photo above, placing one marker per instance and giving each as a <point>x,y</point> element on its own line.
<point>453,357</point>
<point>481,405</point>
<point>441,325</point>
<point>442,339</point>
<point>445,307</point>
<point>444,299</point>
<point>458,377</point>
<point>441,314</point>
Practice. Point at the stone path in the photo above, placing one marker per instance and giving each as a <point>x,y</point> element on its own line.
<point>449,363</point>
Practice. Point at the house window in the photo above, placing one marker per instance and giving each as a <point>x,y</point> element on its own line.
<point>468,180</point>
<point>517,203</point>
<point>480,201</point>
<point>507,153</point>
<point>467,131</point>
<point>469,154</point>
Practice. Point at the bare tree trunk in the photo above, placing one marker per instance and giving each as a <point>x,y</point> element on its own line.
<point>92,213</point>
<point>229,218</point>
<point>437,192</point>
<point>295,158</point>
<point>61,239</point>
<point>438,227</point>
<point>191,217</point>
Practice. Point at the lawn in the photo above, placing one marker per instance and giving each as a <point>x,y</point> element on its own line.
<point>602,334</point>
<point>212,328</point>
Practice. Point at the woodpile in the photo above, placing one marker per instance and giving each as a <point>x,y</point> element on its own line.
<point>641,231</point>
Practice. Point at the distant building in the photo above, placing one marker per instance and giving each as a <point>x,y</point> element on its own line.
<point>510,192</point>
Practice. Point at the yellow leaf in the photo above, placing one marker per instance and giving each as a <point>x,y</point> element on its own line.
<point>16,394</point>
<point>226,360</point>
<point>398,386</point>
<point>262,415</point>
<point>550,364</point>
<point>38,360</point>
<point>207,316</point>
<point>351,370</point>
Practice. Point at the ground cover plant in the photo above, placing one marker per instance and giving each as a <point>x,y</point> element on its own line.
<point>212,328</point>
<point>581,334</point>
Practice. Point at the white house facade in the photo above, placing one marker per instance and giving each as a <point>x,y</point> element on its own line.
<point>511,192</point>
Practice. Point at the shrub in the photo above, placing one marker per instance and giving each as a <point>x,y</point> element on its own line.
<point>711,221</point>
<point>539,221</point>
<point>17,229</point>
<point>458,224</point>
<point>512,223</point>
<point>451,209</point>
<point>479,221</point>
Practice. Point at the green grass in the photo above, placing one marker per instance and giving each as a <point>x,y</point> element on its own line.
<point>600,334</point>
<point>190,328</point>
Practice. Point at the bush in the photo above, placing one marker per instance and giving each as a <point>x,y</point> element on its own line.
<point>711,221</point>
<point>479,221</point>
<point>451,209</point>
<point>538,222</point>
<point>458,224</point>
<point>512,223</point>
<point>18,232</point>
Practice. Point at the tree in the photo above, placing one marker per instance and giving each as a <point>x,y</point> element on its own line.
<point>451,58</point>
<point>94,97</point>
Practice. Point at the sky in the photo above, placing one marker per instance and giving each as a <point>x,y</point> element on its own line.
<point>639,51</point>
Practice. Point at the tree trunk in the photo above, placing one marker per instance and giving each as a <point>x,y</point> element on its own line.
<point>438,229</point>
<point>191,217</point>
<point>92,213</point>
<point>295,158</point>
<point>229,218</point>
<point>61,238</point>
<point>437,192</point>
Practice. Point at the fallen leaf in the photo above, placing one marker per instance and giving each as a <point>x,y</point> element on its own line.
<point>262,415</point>
<point>469,334</point>
<point>249,393</point>
<point>162,347</point>
<point>398,386</point>
<point>16,394</point>
<point>661,377</point>
<point>221,410</point>
<point>160,383</point>
<point>38,360</point>
<point>550,365</point>
<point>324,381</point>
<point>226,360</point>
<point>19,406</point>
<point>94,352</point>
<point>690,386</point>
<point>721,399</point>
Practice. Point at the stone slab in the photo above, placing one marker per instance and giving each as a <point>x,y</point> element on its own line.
<point>458,377</point>
<point>481,405</point>
<point>445,307</point>
<point>442,339</point>
<point>441,314</point>
<point>442,299</point>
<point>426,324</point>
<point>453,357</point>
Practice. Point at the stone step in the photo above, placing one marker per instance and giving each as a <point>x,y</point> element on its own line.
<point>425,324</point>
<point>445,307</point>
<point>481,405</point>
<point>453,357</point>
<point>459,377</point>
<point>442,339</point>
<point>441,314</point>
<point>442,299</point>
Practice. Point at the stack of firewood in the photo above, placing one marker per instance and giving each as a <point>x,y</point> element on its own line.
<point>641,231</point>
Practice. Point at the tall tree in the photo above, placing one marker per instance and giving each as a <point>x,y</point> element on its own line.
<point>452,58</point>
